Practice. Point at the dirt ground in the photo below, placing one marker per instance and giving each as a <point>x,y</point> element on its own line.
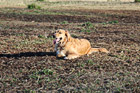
<point>28,63</point>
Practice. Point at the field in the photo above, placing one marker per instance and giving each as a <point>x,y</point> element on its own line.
<point>28,63</point>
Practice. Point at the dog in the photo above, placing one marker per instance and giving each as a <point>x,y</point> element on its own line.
<point>70,48</point>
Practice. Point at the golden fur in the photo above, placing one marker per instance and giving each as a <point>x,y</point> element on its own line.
<point>70,48</point>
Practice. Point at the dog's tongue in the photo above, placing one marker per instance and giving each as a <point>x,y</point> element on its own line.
<point>55,41</point>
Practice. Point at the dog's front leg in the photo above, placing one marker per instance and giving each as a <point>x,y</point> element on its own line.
<point>56,48</point>
<point>57,51</point>
<point>71,56</point>
<point>62,53</point>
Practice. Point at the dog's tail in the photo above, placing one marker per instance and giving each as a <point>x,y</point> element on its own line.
<point>91,50</point>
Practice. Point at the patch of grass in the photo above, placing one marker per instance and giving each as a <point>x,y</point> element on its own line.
<point>137,0</point>
<point>28,42</point>
<point>29,91</point>
<point>45,72</point>
<point>64,22</point>
<point>0,26</point>
<point>80,64</point>
<point>86,30</point>
<point>41,36</point>
<point>111,22</point>
<point>33,6</point>
<point>73,35</point>
<point>21,34</point>
<point>40,75</point>
<point>89,62</point>
<point>87,27</point>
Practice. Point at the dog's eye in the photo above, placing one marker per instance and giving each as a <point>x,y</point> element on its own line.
<point>60,38</point>
<point>60,33</point>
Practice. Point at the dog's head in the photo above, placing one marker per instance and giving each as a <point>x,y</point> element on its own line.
<point>61,36</point>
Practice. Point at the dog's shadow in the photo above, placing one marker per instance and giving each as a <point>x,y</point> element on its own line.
<point>28,54</point>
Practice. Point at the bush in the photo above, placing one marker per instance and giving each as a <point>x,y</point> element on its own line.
<point>33,6</point>
<point>137,0</point>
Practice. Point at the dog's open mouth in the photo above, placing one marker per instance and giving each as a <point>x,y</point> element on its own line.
<point>57,40</point>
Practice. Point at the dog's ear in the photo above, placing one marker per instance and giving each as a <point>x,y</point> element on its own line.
<point>67,35</point>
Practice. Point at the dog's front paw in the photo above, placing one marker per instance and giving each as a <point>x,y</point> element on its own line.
<point>59,55</point>
<point>66,58</point>
<point>71,56</point>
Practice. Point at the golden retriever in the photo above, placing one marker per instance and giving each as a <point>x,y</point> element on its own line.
<point>70,48</point>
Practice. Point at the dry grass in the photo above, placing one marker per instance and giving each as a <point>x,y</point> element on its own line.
<point>15,3</point>
<point>72,4</point>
